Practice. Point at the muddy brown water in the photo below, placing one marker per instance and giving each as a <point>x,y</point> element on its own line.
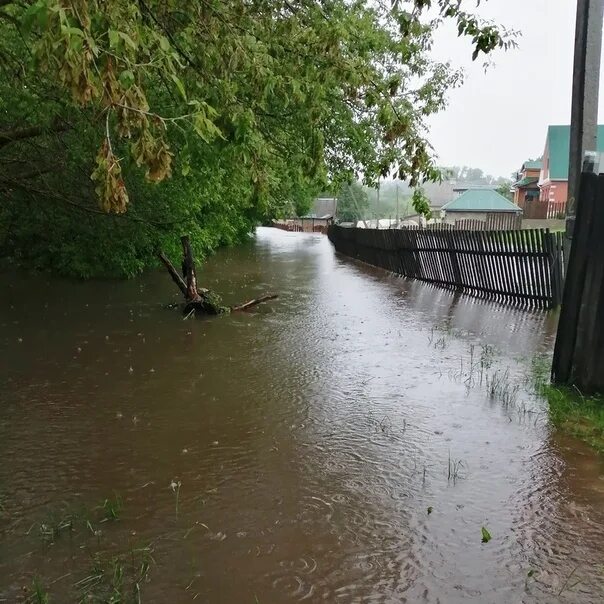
<point>309,439</point>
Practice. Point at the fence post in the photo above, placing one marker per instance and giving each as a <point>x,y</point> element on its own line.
<point>454,260</point>
<point>554,255</point>
<point>566,337</point>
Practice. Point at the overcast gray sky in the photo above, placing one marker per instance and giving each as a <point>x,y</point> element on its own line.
<point>498,119</point>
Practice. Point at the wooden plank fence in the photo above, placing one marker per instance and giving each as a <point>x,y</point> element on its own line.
<point>543,210</point>
<point>523,268</point>
<point>579,351</point>
<point>494,222</point>
<point>303,225</point>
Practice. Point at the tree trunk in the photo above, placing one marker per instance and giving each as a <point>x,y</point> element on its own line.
<point>201,301</point>
<point>188,265</point>
<point>182,286</point>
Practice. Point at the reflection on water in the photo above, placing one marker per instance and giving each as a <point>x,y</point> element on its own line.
<point>313,440</point>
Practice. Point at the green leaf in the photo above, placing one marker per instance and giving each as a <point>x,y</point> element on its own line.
<point>36,13</point>
<point>164,43</point>
<point>421,204</point>
<point>114,38</point>
<point>486,536</point>
<point>430,510</point>
<point>126,38</point>
<point>205,128</point>
<point>179,85</point>
<point>74,31</point>
<point>126,78</point>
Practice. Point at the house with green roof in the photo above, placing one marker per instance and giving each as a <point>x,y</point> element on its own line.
<point>526,187</point>
<point>553,179</point>
<point>481,205</point>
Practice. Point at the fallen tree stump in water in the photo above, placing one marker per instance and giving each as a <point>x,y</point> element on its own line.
<point>201,300</point>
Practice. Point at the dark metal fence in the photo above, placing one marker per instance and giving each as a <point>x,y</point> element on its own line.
<point>523,268</point>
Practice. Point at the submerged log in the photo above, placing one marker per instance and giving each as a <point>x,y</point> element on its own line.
<point>254,302</point>
<point>201,300</point>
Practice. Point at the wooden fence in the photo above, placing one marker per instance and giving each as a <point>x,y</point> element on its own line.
<point>579,351</point>
<point>523,268</point>
<point>501,221</point>
<point>537,209</point>
<point>303,225</point>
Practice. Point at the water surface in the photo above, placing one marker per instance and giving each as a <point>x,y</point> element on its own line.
<point>338,444</point>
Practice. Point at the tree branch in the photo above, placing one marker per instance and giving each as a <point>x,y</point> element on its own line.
<point>17,134</point>
<point>33,173</point>
<point>7,185</point>
<point>180,283</point>
<point>168,34</point>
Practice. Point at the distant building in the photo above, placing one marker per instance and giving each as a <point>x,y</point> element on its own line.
<point>553,178</point>
<point>323,208</point>
<point>462,187</point>
<point>316,221</point>
<point>526,187</point>
<point>481,205</point>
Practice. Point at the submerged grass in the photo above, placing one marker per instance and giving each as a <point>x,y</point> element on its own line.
<point>116,579</point>
<point>500,387</point>
<point>455,468</point>
<point>113,578</point>
<point>570,411</point>
<point>38,594</point>
<point>54,527</point>
<point>112,507</point>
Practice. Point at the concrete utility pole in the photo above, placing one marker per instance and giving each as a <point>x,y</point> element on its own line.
<point>584,112</point>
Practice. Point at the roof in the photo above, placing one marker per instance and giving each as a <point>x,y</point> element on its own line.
<point>532,165</point>
<point>470,185</point>
<point>527,181</point>
<point>481,200</point>
<point>323,206</point>
<point>558,144</point>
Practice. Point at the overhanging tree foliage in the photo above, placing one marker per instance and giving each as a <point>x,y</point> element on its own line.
<point>123,123</point>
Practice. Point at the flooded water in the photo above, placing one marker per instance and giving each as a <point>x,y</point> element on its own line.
<point>337,445</point>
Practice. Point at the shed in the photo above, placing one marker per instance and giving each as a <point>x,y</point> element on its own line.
<point>324,207</point>
<point>484,205</point>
